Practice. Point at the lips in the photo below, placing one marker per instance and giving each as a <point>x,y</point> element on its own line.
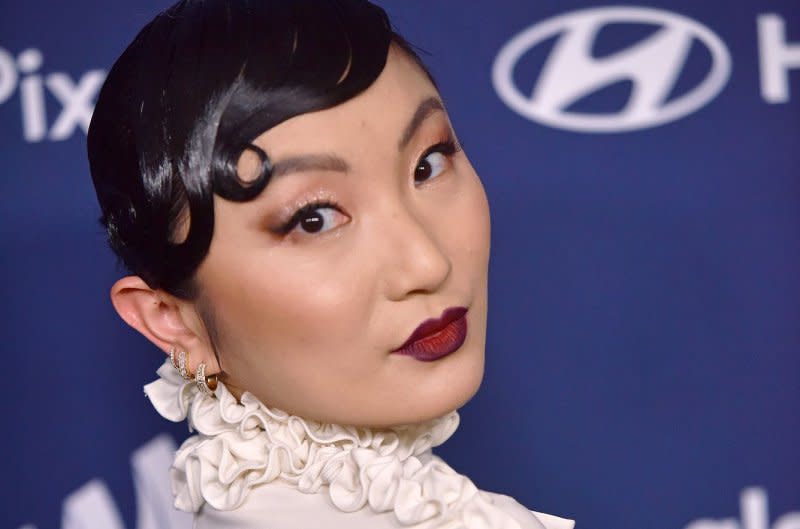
<point>437,337</point>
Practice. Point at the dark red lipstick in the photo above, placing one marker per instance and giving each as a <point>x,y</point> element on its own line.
<point>437,337</point>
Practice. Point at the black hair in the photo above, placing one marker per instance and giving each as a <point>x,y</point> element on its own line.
<point>188,96</point>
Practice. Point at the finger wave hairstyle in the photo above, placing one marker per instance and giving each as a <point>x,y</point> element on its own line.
<point>189,95</point>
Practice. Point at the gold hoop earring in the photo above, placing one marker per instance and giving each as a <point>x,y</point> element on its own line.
<point>183,365</point>
<point>206,384</point>
<point>172,351</point>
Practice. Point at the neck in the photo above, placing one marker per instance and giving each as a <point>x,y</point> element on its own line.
<point>243,444</point>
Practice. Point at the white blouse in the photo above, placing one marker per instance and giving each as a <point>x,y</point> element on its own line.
<point>254,467</point>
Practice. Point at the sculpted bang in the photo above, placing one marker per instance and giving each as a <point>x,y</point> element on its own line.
<point>189,95</point>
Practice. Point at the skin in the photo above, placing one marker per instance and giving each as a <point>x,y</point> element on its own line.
<point>307,321</point>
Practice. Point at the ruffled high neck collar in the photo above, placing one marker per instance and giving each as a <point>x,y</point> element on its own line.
<point>243,444</point>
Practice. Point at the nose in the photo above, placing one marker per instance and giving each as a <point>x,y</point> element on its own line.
<point>415,261</point>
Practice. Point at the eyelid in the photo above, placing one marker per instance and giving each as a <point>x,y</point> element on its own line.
<point>286,226</point>
<point>448,147</point>
<point>445,136</point>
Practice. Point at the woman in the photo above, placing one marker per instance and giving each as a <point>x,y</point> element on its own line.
<point>309,246</point>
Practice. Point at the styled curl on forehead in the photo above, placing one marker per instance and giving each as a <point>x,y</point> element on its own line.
<point>189,95</point>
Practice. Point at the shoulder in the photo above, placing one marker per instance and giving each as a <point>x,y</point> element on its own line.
<point>554,522</point>
<point>547,521</point>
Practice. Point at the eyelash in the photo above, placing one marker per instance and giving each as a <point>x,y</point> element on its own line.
<point>448,147</point>
<point>304,210</point>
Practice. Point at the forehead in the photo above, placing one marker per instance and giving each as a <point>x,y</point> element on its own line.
<point>383,108</point>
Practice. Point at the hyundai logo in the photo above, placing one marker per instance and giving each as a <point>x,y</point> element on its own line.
<point>570,72</point>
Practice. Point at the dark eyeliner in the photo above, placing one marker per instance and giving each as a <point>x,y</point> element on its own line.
<point>294,220</point>
<point>448,147</point>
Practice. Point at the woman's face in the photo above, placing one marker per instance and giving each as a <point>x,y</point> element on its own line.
<point>306,314</point>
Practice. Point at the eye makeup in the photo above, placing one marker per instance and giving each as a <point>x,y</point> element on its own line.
<point>447,148</point>
<point>446,145</point>
<point>304,211</point>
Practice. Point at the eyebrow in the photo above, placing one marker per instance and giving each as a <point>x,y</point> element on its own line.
<point>331,162</point>
<point>425,109</point>
<point>309,162</point>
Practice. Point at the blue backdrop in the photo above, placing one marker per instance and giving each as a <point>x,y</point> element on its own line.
<point>644,325</point>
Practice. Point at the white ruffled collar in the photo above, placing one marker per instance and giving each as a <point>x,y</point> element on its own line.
<point>241,445</point>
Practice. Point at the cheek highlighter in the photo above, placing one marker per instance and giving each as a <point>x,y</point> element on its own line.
<point>437,337</point>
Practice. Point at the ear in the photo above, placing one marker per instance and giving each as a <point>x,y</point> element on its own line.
<point>165,320</point>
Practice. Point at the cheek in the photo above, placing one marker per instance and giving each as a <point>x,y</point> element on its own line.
<point>469,225</point>
<point>295,308</point>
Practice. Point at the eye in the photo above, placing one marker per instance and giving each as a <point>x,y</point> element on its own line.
<point>318,220</point>
<point>317,217</point>
<point>434,161</point>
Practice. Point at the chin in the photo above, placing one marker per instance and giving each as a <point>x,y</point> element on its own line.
<point>451,387</point>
